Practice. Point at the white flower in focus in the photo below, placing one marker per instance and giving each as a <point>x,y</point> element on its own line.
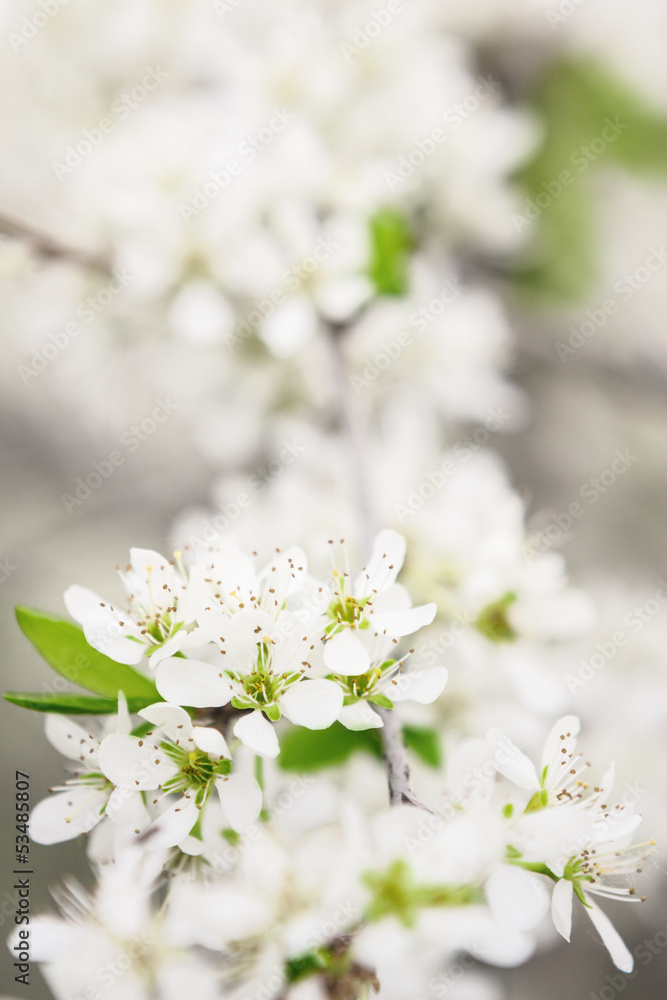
<point>82,802</point>
<point>599,871</point>
<point>373,601</point>
<point>264,670</point>
<point>161,604</point>
<point>184,760</point>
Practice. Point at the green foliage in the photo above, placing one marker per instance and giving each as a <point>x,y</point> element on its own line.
<point>304,750</point>
<point>391,243</point>
<point>64,647</point>
<point>426,744</point>
<point>71,704</point>
<point>576,101</point>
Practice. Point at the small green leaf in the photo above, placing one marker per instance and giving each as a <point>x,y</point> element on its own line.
<point>425,742</point>
<point>64,647</point>
<point>70,704</point>
<point>391,243</point>
<point>314,749</point>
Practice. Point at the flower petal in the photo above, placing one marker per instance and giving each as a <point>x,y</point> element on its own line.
<point>345,654</point>
<point>384,565</point>
<point>257,733</point>
<point>193,683</point>
<point>241,800</point>
<point>211,741</point>
<point>71,739</point>
<point>126,760</point>
<point>101,626</point>
<point>64,815</point>
<point>511,761</point>
<point>172,826</point>
<point>396,623</point>
<point>173,720</point>
<point>126,808</point>
<point>423,686</point>
<point>613,942</point>
<point>516,898</point>
<point>561,907</point>
<point>563,737</point>
<point>359,716</point>
<point>312,703</point>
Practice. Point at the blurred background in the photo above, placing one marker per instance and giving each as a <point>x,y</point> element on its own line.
<point>226,226</point>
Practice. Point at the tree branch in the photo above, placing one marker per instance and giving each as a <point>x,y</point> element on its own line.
<point>45,245</point>
<point>393,747</point>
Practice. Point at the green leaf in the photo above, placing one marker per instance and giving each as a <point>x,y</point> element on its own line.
<point>71,704</point>
<point>391,243</point>
<point>64,647</point>
<point>591,120</point>
<point>425,743</point>
<point>314,749</point>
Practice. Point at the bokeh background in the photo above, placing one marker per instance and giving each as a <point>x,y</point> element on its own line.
<point>561,323</point>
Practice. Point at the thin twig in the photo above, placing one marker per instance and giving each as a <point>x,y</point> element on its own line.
<point>393,746</point>
<point>45,245</point>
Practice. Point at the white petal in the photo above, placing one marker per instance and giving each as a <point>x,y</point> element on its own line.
<point>517,898</point>
<point>211,741</point>
<point>71,739</point>
<point>126,808</point>
<point>50,938</point>
<point>172,826</point>
<point>345,654</point>
<point>193,683</point>
<point>169,648</point>
<point>126,760</point>
<point>511,761</point>
<point>613,942</point>
<point>312,703</point>
<point>123,720</point>
<point>241,800</point>
<point>384,565</point>
<point>423,686</point>
<point>65,815</point>
<point>257,733</point>
<point>396,623</point>
<point>561,907</point>
<point>359,716</point>
<point>100,626</point>
<point>173,720</point>
<point>563,736</point>
<point>394,598</point>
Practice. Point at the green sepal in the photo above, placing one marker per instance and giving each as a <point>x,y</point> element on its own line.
<point>391,243</point>
<point>273,712</point>
<point>538,801</point>
<point>381,700</point>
